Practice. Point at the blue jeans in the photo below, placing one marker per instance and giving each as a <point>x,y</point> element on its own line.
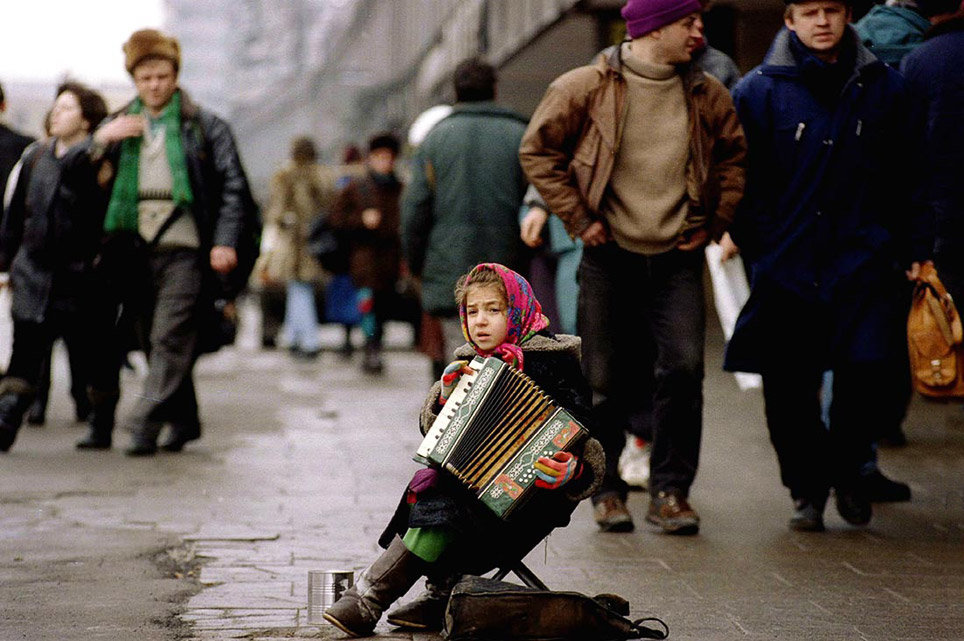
<point>645,314</point>
<point>301,317</point>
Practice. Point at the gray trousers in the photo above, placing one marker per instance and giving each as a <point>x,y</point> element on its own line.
<point>168,395</point>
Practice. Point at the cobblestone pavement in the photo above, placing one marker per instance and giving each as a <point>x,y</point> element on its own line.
<point>301,463</point>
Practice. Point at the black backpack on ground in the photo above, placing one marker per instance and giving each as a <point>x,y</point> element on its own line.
<point>482,609</point>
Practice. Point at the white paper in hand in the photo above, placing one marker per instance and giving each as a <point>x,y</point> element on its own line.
<point>730,291</point>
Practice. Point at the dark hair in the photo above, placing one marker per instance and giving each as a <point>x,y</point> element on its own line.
<point>385,140</point>
<point>93,108</point>
<point>480,277</point>
<point>1,94</point>
<point>303,150</point>
<point>474,81</point>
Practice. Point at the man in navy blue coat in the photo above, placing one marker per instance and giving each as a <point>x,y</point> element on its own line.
<point>828,229</point>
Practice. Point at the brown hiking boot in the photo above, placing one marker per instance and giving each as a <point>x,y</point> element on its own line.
<point>673,514</point>
<point>611,514</point>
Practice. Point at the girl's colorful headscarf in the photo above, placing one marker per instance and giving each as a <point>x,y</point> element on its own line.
<point>525,316</point>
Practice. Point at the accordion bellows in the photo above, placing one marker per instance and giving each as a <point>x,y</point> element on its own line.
<point>491,431</point>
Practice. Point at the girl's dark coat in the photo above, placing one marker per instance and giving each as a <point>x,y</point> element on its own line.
<point>485,541</point>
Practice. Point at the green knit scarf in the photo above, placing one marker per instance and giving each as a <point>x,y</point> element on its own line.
<point>122,211</point>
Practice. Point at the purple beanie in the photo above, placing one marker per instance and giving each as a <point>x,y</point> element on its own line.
<point>643,16</point>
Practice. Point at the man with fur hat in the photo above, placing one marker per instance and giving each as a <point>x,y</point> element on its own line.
<point>641,156</point>
<point>828,229</point>
<point>178,193</point>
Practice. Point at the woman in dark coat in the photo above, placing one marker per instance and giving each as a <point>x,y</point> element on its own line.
<point>440,530</point>
<point>50,236</point>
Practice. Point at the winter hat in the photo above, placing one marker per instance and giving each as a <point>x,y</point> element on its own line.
<point>150,42</point>
<point>643,16</point>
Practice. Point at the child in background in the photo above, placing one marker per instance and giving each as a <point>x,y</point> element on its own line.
<point>440,530</point>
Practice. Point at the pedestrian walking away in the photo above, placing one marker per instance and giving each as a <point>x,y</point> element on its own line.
<point>300,192</point>
<point>461,205</point>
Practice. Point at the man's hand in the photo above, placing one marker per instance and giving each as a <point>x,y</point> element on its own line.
<point>729,248</point>
<point>693,239</point>
<point>121,127</point>
<point>371,218</point>
<point>914,272</point>
<point>594,235</point>
<point>532,225</point>
<point>223,259</point>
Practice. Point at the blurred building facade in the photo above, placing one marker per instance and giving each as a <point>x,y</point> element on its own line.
<point>340,70</point>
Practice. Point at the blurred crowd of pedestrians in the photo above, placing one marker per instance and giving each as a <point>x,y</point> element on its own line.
<point>832,168</point>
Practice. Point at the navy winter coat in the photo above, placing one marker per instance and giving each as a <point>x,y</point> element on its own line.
<point>934,75</point>
<point>825,222</point>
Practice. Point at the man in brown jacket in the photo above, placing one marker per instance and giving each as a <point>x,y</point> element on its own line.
<point>642,157</point>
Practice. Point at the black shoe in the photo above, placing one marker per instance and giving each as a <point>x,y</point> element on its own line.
<point>141,448</point>
<point>180,437</point>
<point>7,436</point>
<point>347,351</point>
<point>853,506</point>
<point>807,516</point>
<point>94,442</point>
<point>304,354</point>
<point>372,363</point>
<point>880,489</point>
<point>37,415</point>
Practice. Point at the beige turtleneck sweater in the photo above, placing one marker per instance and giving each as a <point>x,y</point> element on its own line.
<point>646,202</point>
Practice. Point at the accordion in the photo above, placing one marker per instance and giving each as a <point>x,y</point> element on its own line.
<point>491,431</point>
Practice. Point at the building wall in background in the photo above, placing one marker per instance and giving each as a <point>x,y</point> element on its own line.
<point>340,70</point>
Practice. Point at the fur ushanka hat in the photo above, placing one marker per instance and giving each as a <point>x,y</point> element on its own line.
<point>150,42</point>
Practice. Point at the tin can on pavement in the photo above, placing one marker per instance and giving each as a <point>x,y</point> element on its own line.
<point>324,588</point>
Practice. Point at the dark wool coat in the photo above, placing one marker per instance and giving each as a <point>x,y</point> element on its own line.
<point>12,144</point>
<point>461,206</point>
<point>375,254</point>
<point>826,222</point>
<point>223,208</point>
<point>51,232</point>
<point>485,540</point>
<point>935,77</point>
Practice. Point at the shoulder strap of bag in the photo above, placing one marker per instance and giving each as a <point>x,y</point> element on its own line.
<point>642,632</point>
<point>177,213</point>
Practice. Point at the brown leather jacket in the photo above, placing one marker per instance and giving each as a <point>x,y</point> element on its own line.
<point>569,149</point>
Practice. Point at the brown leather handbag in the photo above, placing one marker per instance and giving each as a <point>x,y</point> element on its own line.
<point>934,339</point>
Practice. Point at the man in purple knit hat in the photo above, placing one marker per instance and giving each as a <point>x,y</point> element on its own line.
<point>642,157</point>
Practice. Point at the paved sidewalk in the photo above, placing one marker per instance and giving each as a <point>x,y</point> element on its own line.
<point>301,464</point>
